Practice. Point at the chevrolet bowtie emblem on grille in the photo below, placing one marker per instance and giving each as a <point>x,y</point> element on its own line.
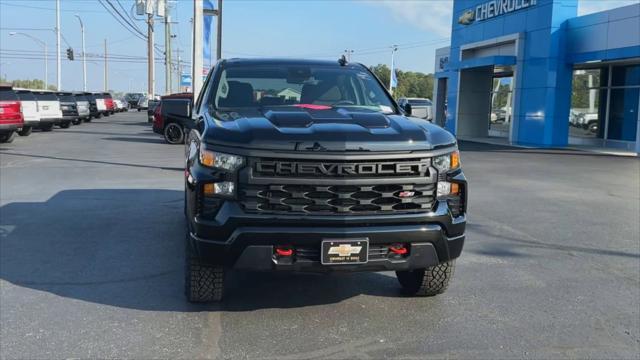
<point>406,194</point>
<point>345,250</point>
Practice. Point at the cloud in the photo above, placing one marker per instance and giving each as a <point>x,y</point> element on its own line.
<point>591,6</point>
<point>429,15</point>
<point>435,15</point>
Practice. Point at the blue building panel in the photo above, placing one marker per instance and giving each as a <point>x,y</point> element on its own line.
<point>542,40</point>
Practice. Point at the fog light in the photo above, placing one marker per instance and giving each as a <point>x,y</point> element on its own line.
<point>444,188</point>
<point>225,188</point>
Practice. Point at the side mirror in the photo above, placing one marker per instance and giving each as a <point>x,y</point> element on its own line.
<point>407,108</point>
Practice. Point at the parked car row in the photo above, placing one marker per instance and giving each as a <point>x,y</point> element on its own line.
<point>22,110</point>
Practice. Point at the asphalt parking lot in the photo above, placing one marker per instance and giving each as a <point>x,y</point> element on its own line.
<point>91,243</point>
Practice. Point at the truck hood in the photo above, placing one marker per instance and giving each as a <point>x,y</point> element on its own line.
<point>324,130</point>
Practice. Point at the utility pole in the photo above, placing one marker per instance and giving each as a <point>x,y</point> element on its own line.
<point>219,34</point>
<point>151,86</point>
<point>84,56</point>
<point>106,69</point>
<point>167,50</point>
<point>179,72</point>
<point>196,65</point>
<point>58,63</point>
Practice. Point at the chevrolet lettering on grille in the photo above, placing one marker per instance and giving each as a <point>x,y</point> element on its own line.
<point>341,169</point>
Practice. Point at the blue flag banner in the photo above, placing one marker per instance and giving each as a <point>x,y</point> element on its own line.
<point>394,77</point>
<point>206,32</point>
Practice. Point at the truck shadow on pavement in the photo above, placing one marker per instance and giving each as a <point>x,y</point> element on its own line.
<point>125,248</point>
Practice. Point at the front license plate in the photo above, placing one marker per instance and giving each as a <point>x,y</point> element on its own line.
<point>339,251</point>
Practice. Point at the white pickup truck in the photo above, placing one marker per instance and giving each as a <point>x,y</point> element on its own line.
<point>48,109</point>
<point>420,107</point>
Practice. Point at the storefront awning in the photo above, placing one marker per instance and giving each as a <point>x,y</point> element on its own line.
<point>487,61</point>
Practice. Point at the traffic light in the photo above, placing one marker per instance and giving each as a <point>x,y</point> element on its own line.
<point>70,53</point>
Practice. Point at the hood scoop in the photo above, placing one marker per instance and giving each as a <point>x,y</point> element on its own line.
<point>304,119</point>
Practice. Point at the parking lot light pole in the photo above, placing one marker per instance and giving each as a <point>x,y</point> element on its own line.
<point>84,56</point>
<point>44,45</point>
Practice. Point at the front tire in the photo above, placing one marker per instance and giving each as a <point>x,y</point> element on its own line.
<point>26,131</point>
<point>431,281</point>
<point>203,282</point>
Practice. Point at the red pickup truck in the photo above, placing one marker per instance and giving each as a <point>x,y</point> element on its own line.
<point>11,117</point>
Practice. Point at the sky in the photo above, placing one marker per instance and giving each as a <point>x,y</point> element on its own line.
<point>321,29</point>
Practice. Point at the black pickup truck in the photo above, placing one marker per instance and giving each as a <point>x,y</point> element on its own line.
<point>297,165</point>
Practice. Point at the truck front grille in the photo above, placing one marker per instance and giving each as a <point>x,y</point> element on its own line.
<point>337,199</point>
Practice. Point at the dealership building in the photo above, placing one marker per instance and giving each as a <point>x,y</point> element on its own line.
<point>532,72</point>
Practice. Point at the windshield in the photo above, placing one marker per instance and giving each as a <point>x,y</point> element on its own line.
<point>133,96</point>
<point>66,98</point>
<point>312,87</point>
<point>46,96</point>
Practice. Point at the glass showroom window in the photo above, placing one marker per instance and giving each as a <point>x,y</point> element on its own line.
<point>588,103</point>
<point>501,98</point>
<point>624,103</point>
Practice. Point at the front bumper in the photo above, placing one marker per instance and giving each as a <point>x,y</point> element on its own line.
<point>246,241</point>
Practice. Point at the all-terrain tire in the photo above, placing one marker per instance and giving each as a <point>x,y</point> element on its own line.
<point>203,282</point>
<point>431,281</point>
<point>26,131</point>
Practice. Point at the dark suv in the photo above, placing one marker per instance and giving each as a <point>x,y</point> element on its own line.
<point>69,109</point>
<point>296,165</point>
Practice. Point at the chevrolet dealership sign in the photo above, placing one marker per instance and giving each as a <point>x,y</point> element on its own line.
<point>494,8</point>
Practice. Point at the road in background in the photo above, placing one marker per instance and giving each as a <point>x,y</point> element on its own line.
<point>91,246</point>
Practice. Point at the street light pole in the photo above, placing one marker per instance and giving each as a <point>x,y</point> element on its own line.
<point>58,63</point>
<point>46,60</point>
<point>219,32</point>
<point>84,56</point>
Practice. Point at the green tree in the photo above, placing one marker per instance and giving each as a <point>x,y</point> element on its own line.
<point>32,84</point>
<point>410,83</point>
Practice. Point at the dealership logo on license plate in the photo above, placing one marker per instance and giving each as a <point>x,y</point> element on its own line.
<point>336,252</point>
<point>345,250</point>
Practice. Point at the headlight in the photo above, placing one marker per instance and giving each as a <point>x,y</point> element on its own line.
<point>220,160</point>
<point>447,162</point>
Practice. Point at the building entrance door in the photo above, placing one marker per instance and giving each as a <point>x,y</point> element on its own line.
<point>500,118</point>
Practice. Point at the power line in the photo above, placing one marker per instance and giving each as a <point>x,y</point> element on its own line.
<point>125,12</point>
<point>50,9</point>
<point>133,27</point>
<point>136,33</point>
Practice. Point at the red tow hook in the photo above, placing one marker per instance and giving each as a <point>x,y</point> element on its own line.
<point>398,249</point>
<point>284,252</point>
